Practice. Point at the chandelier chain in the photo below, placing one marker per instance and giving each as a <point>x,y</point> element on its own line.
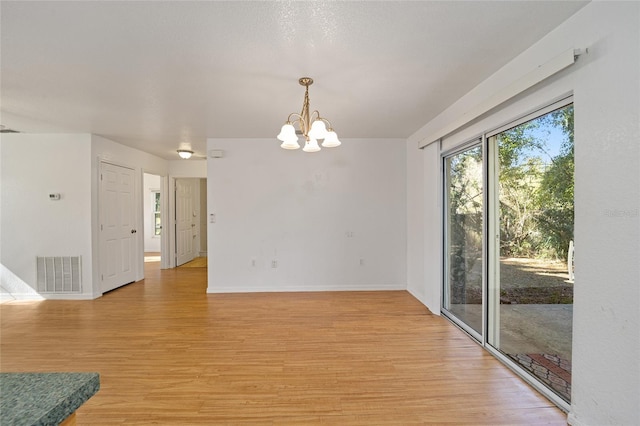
<point>304,122</point>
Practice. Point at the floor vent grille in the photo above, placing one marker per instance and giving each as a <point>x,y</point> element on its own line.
<point>59,274</point>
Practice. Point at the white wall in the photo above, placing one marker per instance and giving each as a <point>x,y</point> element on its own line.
<point>424,225</point>
<point>33,166</point>
<point>606,87</point>
<point>607,296</point>
<point>151,184</point>
<point>415,227</point>
<point>192,168</point>
<point>203,218</point>
<point>317,215</point>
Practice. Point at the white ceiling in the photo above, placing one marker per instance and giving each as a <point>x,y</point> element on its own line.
<point>152,75</point>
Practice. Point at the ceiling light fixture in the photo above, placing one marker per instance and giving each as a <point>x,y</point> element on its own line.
<point>185,153</point>
<point>312,126</point>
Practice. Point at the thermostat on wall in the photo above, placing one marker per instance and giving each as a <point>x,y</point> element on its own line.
<point>54,196</point>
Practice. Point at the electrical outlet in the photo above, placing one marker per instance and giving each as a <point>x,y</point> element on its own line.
<point>274,263</point>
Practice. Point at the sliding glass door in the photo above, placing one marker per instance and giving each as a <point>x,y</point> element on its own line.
<point>531,222</point>
<point>464,201</point>
<point>508,244</point>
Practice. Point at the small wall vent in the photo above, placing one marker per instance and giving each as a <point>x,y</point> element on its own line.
<point>59,274</point>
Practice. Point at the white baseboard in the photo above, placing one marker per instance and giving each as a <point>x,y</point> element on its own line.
<point>421,299</point>
<point>303,288</point>
<point>69,296</point>
<point>23,297</point>
<point>571,419</point>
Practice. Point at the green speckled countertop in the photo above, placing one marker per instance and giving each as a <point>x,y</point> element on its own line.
<point>43,398</point>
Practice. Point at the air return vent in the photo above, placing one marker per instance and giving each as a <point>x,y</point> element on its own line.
<point>59,274</point>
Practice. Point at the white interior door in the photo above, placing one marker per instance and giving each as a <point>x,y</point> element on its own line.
<point>185,221</point>
<point>117,226</point>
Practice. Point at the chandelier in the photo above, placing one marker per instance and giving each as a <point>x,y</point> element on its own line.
<point>312,127</point>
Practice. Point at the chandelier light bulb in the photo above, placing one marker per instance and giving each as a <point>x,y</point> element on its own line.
<point>311,146</point>
<point>318,130</point>
<point>287,132</point>
<point>331,140</point>
<point>291,143</point>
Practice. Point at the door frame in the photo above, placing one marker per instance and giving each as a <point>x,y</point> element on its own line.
<point>165,235</point>
<point>189,183</point>
<point>170,243</point>
<point>471,143</point>
<point>136,255</point>
<point>171,214</point>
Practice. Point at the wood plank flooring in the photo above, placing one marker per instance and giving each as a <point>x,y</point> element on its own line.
<point>198,262</point>
<point>170,354</point>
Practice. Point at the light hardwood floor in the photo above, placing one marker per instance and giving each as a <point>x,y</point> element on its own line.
<point>170,354</point>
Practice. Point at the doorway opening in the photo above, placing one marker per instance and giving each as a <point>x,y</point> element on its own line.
<point>152,218</point>
<point>190,221</point>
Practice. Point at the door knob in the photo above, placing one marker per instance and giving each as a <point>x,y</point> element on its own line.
<point>133,231</point>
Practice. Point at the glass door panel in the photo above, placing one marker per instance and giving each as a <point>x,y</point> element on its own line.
<point>531,209</point>
<point>464,199</point>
